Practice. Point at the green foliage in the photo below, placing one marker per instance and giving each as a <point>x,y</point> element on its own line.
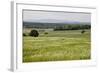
<point>46,33</point>
<point>24,34</point>
<point>83,31</point>
<point>34,33</point>
<point>72,27</point>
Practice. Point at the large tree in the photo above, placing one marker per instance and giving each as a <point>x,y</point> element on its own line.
<point>34,33</point>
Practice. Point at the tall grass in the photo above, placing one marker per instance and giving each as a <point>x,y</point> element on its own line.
<point>57,46</point>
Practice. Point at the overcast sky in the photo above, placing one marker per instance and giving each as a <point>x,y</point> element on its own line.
<point>47,16</point>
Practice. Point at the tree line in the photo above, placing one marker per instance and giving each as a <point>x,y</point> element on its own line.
<point>57,26</point>
<point>72,27</point>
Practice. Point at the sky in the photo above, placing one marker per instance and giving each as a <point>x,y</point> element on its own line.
<point>50,16</point>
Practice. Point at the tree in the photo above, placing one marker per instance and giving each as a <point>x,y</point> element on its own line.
<point>34,33</point>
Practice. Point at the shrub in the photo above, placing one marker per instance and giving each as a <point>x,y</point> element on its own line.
<point>83,31</point>
<point>24,34</point>
<point>46,33</point>
<point>34,33</point>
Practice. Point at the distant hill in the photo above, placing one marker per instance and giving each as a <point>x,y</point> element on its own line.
<point>51,25</point>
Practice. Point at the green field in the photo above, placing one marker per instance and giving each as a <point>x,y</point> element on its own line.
<point>57,46</point>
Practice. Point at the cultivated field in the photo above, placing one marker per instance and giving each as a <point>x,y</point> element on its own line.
<point>57,46</point>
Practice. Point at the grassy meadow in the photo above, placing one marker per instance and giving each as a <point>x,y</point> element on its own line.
<point>56,46</point>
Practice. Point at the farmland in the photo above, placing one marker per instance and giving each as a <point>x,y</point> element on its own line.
<point>56,46</point>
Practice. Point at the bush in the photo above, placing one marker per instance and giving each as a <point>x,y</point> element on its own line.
<point>24,34</point>
<point>34,33</point>
<point>46,33</point>
<point>83,31</point>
